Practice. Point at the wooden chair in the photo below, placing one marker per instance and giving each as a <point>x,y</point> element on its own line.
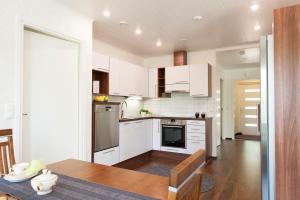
<point>7,157</point>
<point>185,178</point>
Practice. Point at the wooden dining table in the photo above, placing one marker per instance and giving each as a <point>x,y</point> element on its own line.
<point>132,181</point>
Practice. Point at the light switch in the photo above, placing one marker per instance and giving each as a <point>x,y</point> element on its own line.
<point>9,111</point>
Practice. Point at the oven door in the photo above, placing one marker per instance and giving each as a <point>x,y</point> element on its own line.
<point>173,136</point>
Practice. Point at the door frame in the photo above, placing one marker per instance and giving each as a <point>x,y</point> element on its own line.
<point>18,135</point>
<point>221,108</point>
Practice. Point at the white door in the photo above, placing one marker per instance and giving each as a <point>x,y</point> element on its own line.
<point>247,108</point>
<point>50,98</point>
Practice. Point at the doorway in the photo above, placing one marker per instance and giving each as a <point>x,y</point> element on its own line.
<point>247,101</point>
<point>50,98</point>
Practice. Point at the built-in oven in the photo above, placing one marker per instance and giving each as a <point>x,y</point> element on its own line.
<point>173,133</point>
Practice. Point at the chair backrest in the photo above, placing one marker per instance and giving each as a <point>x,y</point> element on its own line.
<point>7,157</point>
<point>185,178</point>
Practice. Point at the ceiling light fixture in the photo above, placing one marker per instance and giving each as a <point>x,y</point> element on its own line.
<point>197,18</point>
<point>106,13</point>
<point>257,27</point>
<point>138,31</point>
<point>254,7</point>
<point>158,43</point>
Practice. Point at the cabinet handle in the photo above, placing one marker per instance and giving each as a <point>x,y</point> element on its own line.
<point>116,93</point>
<point>195,136</point>
<point>108,151</point>
<point>196,129</point>
<point>182,82</point>
<point>198,95</point>
<point>195,142</point>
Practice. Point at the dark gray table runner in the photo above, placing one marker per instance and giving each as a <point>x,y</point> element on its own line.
<point>68,188</point>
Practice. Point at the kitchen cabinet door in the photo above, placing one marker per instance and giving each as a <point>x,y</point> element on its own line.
<point>128,140</point>
<point>142,81</point>
<point>177,75</point>
<point>149,136</point>
<point>107,157</point>
<point>156,127</point>
<point>114,77</point>
<point>126,83</point>
<point>152,83</point>
<point>100,62</point>
<point>200,80</point>
<point>195,145</point>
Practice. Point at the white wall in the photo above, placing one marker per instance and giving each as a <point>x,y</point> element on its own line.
<point>176,104</point>
<point>229,77</point>
<point>52,17</point>
<point>107,49</point>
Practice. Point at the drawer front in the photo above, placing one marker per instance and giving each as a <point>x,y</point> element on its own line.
<point>195,129</point>
<point>193,146</point>
<point>174,150</point>
<point>107,157</point>
<point>196,122</point>
<point>196,136</point>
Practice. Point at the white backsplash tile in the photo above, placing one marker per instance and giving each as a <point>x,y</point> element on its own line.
<point>181,104</point>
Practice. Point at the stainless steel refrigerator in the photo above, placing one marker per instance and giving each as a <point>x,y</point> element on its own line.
<point>266,117</point>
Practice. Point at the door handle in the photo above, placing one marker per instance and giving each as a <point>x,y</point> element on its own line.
<point>25,114</point>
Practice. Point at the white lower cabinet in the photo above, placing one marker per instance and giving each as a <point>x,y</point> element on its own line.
<point>107,157</point>
<point>156,134</point>
<point>196,138</point>
<point>135,138</point>
<point>194,145</point>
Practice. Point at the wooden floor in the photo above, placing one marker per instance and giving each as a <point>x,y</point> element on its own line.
<point>236,171</point>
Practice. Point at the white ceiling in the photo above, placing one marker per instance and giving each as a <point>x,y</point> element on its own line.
<point>225,23</point>
<point>245,58</point>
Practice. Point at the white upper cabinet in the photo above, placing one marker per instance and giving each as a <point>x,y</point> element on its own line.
<point>100,62</point>
<point>127,79</point>
<point>152,83</point>
<point>114,77</point>
<point>177,79</point>
<point>200,80</point>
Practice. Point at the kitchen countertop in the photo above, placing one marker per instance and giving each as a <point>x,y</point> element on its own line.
<point>163,117</point>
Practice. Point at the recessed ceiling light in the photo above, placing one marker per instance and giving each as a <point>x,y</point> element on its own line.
<point>257,27</point>
<point>138,31</point>
<point>106,13</point>
<point>158,43</point>
<point>197,18</point>
<point>254,7</point>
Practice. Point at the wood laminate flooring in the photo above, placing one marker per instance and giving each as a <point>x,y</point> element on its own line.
<point>236,171</point>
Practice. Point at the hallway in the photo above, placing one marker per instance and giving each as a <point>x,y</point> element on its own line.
<point>237,171</point>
